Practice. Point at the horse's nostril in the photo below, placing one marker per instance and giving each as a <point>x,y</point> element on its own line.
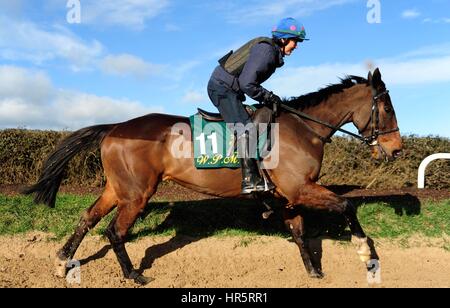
<point>397,153</point>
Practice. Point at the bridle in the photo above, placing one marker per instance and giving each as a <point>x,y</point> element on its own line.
<point>374,121</point>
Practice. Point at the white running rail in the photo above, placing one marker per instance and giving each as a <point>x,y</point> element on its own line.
<point>425,163</point>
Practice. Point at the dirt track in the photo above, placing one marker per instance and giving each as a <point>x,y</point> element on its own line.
<point>27,261</point>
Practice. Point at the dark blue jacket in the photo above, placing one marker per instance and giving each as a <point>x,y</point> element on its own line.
<point>264,59</point>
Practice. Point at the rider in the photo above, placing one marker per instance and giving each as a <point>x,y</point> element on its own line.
<point>243,72</point>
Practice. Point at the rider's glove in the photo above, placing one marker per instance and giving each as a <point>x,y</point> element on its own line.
<point>272,99</point>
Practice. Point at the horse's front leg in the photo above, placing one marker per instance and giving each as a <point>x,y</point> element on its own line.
<point>295,224</point>
<point>358,235</point>
<point>317,197</point>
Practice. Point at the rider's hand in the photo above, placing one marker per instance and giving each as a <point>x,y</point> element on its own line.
<point>271,99</point>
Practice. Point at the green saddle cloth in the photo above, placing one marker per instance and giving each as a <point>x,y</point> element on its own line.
<point>214,144</point>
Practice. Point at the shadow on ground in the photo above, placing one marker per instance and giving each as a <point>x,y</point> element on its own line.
<point>195,220</point>
<point>207,217</point>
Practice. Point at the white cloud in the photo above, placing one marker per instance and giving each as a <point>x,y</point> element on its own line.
<point>177,72</point>
<point>411,14</point>
<point>415,70</point>
<point>129,13</point>
<point>27,41</point>
<point>172,28</point>
<point>129,65</point>
<point>28,99</point>
<point>194,97</point>
<point>255,10</point>
<point>427,52</point>
<point>77,109</point>
<point>301,80</point>
<point>27,85</point>
<point>444,20</point>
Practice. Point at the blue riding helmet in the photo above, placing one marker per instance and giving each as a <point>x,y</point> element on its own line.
<point>289,28</point>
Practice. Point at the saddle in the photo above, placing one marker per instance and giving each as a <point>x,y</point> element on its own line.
<point>257,113</point>
<point>216,117</point>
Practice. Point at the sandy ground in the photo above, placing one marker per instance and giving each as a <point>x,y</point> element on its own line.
<point>236,262</point>
<point>27,261</point>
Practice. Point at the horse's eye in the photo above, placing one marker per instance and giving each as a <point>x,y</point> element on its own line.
<point>388,109</point>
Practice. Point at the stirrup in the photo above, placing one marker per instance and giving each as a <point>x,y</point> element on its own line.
<point>262,184</point>
<point>268,185</point>
<point>252,188</point>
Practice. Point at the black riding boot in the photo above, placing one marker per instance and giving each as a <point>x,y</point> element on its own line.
<point>251,177</point>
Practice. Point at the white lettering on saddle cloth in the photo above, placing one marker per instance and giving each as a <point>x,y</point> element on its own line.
<point>212,144</point>
<point>215,146</point>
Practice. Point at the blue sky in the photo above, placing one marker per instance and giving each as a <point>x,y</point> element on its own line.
<point>130,57</point>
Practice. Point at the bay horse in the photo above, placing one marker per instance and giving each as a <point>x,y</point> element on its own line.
<point>136,156</point>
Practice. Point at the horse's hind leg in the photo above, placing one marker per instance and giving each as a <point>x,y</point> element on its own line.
<point>101,207</point>
<point>117,230</point>
<point>295,224</point>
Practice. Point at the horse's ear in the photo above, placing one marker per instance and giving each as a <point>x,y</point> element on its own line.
<point>369,78</point>
<point>376,79</point>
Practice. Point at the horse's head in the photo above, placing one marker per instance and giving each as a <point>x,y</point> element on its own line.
<point>376,120</point>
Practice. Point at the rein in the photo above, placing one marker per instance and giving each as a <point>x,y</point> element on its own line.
<point>374,120</point>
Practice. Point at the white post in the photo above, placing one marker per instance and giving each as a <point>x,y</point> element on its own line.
<point>425,163</point>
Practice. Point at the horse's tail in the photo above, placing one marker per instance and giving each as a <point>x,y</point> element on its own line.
<point>54,167</point>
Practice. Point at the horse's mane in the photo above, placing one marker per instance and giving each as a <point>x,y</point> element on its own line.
<point>315,98</point>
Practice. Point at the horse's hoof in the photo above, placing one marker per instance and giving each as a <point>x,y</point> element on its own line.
<point>140,279</point>
<point>316,275</point>
<point>60,268</point>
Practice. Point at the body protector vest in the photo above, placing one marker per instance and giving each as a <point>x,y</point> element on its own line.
<point>234,62</point>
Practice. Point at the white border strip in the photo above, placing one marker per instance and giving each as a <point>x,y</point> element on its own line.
<point>425,163</point>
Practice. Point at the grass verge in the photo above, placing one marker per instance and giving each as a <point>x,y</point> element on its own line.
<point>218,217</point>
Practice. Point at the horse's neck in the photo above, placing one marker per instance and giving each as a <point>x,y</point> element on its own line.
<point>337,110</point>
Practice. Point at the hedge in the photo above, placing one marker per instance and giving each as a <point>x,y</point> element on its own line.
<point>346,162</point>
